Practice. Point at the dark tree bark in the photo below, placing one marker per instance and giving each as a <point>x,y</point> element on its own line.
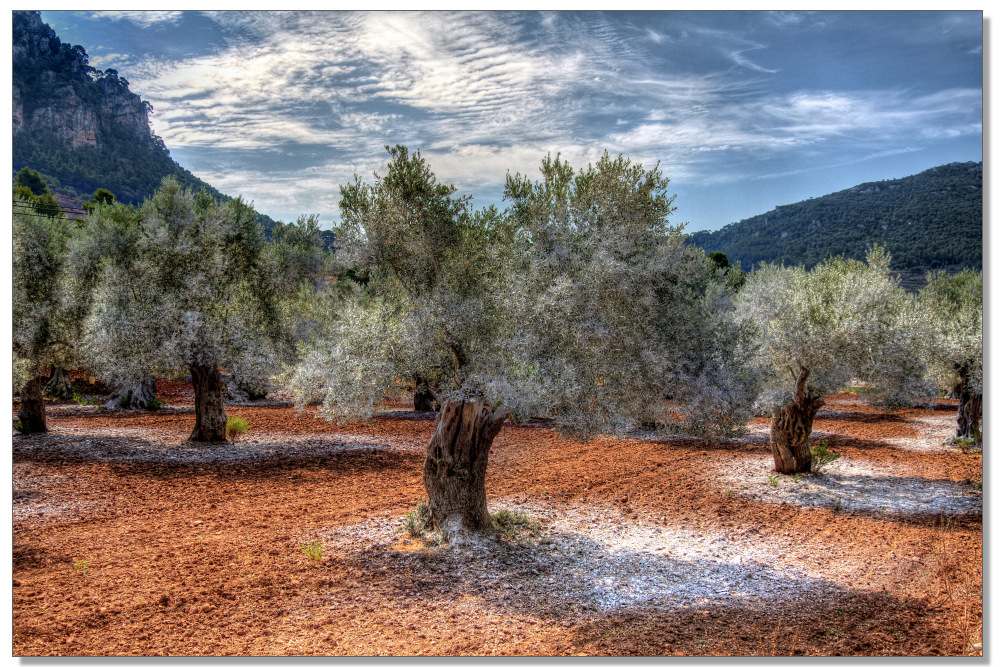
<point>790,429</point>
<point>455,468</point>
<point>970,409</point>
<point>59,385</point>
<point>32,410</point>
<point>133,397</point>
<point>423,396</point>
<point>209,411</point>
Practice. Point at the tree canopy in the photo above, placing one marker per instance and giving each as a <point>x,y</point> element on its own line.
<point>954,307</point>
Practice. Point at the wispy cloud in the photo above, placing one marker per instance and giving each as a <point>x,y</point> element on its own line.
<point>484,94</point>
<point>143,18</point>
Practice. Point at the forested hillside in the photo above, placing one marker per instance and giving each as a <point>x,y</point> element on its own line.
<point>81,127</point>
<point>933,220</point>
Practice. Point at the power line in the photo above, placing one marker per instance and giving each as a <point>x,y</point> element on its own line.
<point>51,209</point>
<point>36,205</point>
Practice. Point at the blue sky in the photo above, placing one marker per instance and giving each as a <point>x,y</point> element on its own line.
<point>743,110</point>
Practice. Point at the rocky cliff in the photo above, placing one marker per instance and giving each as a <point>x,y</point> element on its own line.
<point>82,128</point>
<point>57,93</point>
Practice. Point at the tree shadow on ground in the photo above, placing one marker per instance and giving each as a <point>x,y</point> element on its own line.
<point>887,497</point>
<point>863,417</point>
<point>134,455</point>
<point>653,598</point>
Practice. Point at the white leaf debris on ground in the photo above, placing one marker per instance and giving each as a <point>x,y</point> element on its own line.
<point>590,557</point>
<point>850,486</point>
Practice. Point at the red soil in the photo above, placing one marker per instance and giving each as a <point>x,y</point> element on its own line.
<point>115,555</point>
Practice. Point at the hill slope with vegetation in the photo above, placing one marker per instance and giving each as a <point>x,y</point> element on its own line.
<point>81,127</point>
<point>932,220</point>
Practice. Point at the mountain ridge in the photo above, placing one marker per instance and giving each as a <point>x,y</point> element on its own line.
<point>81,127</point>
<point>928,221</point>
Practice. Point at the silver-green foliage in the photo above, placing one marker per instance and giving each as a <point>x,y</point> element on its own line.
<point>434,298</point>
<point>842,321</point>
<point>42,317</point>
<point>954,309</point>
<point>583,305</point>
<point>180,281</point>
<point>621,322</point>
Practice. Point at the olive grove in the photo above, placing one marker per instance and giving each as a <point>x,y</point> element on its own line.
<point>840,322</point>
<point>582,306</point>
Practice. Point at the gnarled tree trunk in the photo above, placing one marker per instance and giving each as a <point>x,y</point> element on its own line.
<point>970,410</point>
<point>134,396</point>
<point>455,467</point>
<point>59,385</point>
<point>423,397</point>
<point>32,410</point>
<point>209,411</point>
<point>790,429</point>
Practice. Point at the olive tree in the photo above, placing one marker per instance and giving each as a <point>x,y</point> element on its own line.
<point>185,285</point>
<point>40,318</point>
<point>582,305</point>
<point>107,236</point>
<point>821,329</point>
<point>954,307</point>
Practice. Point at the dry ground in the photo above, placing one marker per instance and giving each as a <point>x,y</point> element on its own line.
<point>128,542</point>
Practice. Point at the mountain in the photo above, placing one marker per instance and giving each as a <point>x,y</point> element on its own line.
<point>932,220</point>
<point>81,127</point>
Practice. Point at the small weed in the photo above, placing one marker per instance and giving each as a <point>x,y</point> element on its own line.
<point>314,550</point>
<point>236,427</point>
<point>729,493</point>
<point>18,426</point>
<point>81,566</point>
<point>155,404</point>
<point>822,456</point>
<point>772,480</point>
<point>201,539</point>
<point>795,477</point>
<point>977,486</point>
<point>511,524</point>
<point>416,522</point>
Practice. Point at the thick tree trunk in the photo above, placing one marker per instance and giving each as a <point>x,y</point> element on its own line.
<point>455,468</point>
<point>133,397</point>
<point>970,411</point>
<point>423,397</point>
<point>32,410</point>
<point>790,429</point>
<point>209,412</point>
<point>59,385</point>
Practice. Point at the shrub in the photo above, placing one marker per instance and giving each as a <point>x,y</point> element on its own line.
<point>822,456</point>
<point>256,394</point>
<point>511,524</point>
<point>236,427</point>
<point>155,404</point>
<point>415,522</point>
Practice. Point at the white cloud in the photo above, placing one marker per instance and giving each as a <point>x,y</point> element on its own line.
<point>482,94</point>
<point>143,18</point>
